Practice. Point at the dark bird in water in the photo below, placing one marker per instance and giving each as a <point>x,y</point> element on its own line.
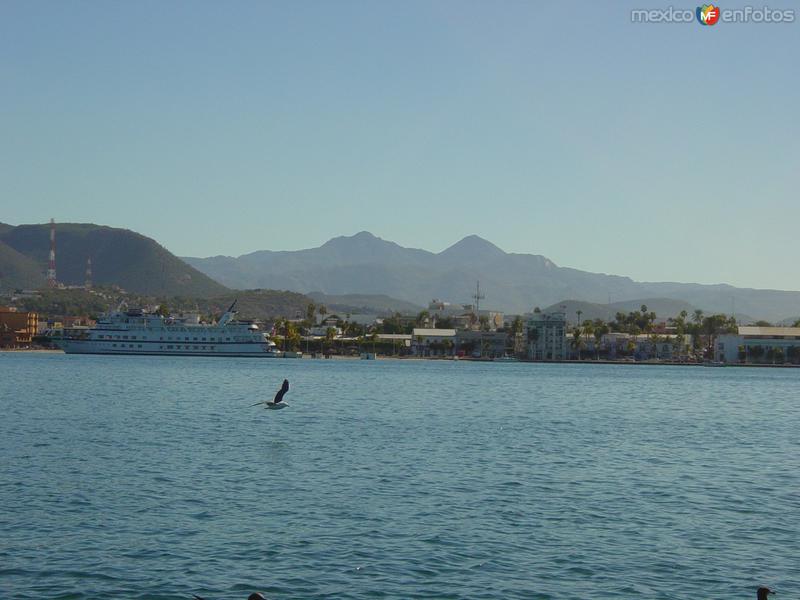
<point>763,593</point>
<point>253,596</point>
<point>281,392</point>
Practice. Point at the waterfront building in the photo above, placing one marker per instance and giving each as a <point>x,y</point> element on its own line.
<point>645,346</point>
<point>464,316</point>
<point>401,342</point>
<point>446,309</point>
<point>401,339</point>
<point>768,345</point>
<point>486,344</point>
<point>547,336</point>
<point>329,322</point>
<point>322,331</point>
<point>17,329</point>
<point>494,318</point>
<point>432,342</point>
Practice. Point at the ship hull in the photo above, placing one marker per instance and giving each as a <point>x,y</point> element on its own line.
<point>235,351</point>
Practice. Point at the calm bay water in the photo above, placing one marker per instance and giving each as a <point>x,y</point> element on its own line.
<point>146,477</point>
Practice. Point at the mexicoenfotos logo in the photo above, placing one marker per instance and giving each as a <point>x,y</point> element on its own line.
<point>708,14</point>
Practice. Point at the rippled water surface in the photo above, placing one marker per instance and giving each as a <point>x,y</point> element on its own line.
<point>147,477</point>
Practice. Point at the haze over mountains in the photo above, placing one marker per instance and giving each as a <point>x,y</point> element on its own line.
<point>515,283</point>
<point>363,272</point>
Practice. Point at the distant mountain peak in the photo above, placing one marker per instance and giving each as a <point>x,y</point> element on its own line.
<point>366,248</point>
<point>473,245</point>
<point>366,265</point>
<point>361,236</point>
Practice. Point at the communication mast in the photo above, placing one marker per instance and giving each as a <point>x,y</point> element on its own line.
<point>88,283</point>
<point>478,297</point>
<point>51,269</point>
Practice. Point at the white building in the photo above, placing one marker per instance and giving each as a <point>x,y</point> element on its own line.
<point>770,345</point>
<point>665,346</point>
<point>426,342</point>
<point>547,336</point>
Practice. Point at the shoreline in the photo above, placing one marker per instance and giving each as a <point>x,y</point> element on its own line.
<point>464,359</point>
<point>32,350</point>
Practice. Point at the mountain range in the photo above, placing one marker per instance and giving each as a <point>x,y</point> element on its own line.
<point>363,273</point>
<point>515,283</point>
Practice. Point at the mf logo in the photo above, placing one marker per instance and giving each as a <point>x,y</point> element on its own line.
<point>708,14</point>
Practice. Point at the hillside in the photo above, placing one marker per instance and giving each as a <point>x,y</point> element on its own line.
<point>259,304</point>
<point>663,307</point>
<point>18,271</point>
<point>365,264</point>
<point>364,303</point>
<point>251,304</point>
<point>119,257</point>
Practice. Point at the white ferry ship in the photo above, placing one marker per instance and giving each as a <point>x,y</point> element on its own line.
<point>139,332</point>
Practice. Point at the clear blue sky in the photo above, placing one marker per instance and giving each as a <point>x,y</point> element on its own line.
<point>662,152</point>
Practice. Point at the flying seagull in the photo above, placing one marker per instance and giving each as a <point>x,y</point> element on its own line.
<point>281,392</point>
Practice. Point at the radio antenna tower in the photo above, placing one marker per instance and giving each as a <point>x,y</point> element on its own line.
<point>51,269</point>
<point>88,283</point>
<point>478,297</point>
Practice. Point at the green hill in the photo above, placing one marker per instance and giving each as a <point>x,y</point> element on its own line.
<point>251,304</point>
<point>119,257</point>
<point>364,303</point>
<point>18,271</point>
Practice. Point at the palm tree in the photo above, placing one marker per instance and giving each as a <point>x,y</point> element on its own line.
<point>330,334</point>
<point>516,333</point>
<point>577,342</point>
<point>599,332</point>
<point>374,338</point>
<point>533,338</point>
<point>447,345</point>
<point>311,310</point>
<point>655,339</point>
<point>579,312</point>
<point>292,335</point>
<point>277,327</point>
<point>588,329</point>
